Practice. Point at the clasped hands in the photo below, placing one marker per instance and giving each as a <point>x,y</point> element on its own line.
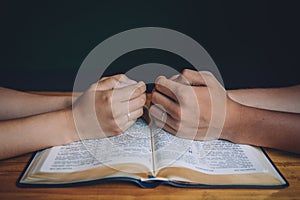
<point>190,105</point>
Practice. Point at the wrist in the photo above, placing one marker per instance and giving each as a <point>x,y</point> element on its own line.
<point>69,126</point>
<point>232,123</point>
<point>66,101</point>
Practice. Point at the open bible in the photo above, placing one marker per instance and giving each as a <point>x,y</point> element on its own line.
<point>150,157</point>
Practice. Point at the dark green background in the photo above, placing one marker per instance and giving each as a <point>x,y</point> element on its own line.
<point>254,43</point>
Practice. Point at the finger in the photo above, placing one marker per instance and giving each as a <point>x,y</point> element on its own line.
<point>129,92</point>
<point>180,79</point>
<point>126,125</point>
<point>156,111</point>
<point>121,108</point>
<point>165,127</point>
<point>134,104</point>
<point>168,105</point>
<point>134,115</point>
<point>128,119</point>
<point>167,87</point>
<point>164,117</point>
<point>174,77</point>
<point>197,78</point>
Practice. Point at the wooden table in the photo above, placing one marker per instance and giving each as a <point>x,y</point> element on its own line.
<point>10,170</point>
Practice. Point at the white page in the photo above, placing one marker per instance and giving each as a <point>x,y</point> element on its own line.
<point>211,157</point>
<point>133,146</point>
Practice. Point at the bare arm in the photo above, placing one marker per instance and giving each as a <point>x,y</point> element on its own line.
<point>16,104</point>
<point>258,122</point>
<point>286,99</point>
<point>37,132</point>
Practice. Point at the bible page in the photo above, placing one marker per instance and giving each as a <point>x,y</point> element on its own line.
<point>132,146</point>
<point>210,157</point>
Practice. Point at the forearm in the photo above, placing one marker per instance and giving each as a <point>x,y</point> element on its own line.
<point>248,125</point>
<point>33,133</point>
<point>285,99</point>
<point>15,104</point>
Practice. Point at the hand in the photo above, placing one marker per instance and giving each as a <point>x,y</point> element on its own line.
<point>109,107</point>
<point>194,104</point>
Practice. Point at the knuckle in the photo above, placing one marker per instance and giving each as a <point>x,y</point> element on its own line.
<point>144,88</point>
<point>144,96</point>
<point>206,74</point>
<point>154,97</point>
<point>185,72</point>
<point>117,76</point>
<point>141,89</point>
<point>178,90</point>
<point>176,124</point>
<point>116,131</point>
<point>93,86</point>
<point>177,113</point>
<point>142,100</point>
<point>185,95</point>
<point>113,80</point>
<point>158,87</point>
<point>107,97</point>
<point>180,93</point>
<point>120,76</point>
<point>104,77</point>
<point>140,112</point>
<point>152,110</point>
<point>158,79</point>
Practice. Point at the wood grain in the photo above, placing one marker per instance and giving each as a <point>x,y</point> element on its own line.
<point>11,169</point>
